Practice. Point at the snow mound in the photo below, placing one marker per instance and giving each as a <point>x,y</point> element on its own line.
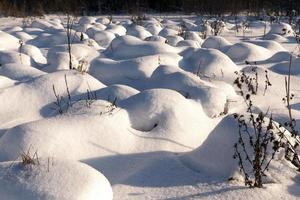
<point>43,24</point>
<point>84,131</point>
<point>60,61</point>
<point>35,53</point>
<point>14,57</point>
<point>188,43</point>
<point>20,72</point>
<point>156,38</point>
<point>281,29</point>
<point>243,51</point>
<point>275,37</point>
<point>103,38</point>
<point>162,117</point>
<point>153,28</point>
<point>283,67</point>
<point>173,39</point>
<point>138,31</point>
<point>189,25</point>
<point>214,156</point>
<point>13,29</point>
<point>22,36</point>
<point>6,82</point>
<point>116,29</point>
<point>103,20</point>
<point>134,70</point>
<point>52,179</point>
<point>8,42</point>
<point>56,38</point>
<point>99,26</point>
<point>270,45</point>
<point>34,99</point>
<point>167,113</point>
<point>131,48</point>
<point>216,42</point>
<point>280,56</point>
<point>34,32</point>
<point>209,62</point>
<point>167,32</point>
<point>116,93</point>
<point>87,20</point>
<point>191,35</point>
<point>212,97</point>
<point>58,57</point>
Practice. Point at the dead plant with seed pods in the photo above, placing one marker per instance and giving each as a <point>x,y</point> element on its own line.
<point>250,81</point>
<point>260,138</point>
<point>257,138</point>
<point>257,144</point>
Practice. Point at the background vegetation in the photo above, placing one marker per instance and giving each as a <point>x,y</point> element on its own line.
<point>92,7</point>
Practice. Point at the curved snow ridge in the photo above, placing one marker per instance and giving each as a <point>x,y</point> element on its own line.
<point>6,82</point>
<point>283,67</point>
<point>130,47</point>
<point>167,114</point>
<point>216,42</point>
<point>245,51</point>
<point>153,120</point>
<point>138,31</point>
<point>212,95</point>
<point>133,71</point>
<point>52,179</point>
<point>8,42</point>
<point>102,37</point>
<point>46,24</point>
<point>116,93</point>
<point>270,45</point>
<point>34,52</point>
<point>56,37</point>
<point>281,29</point>
<point>33,99</point>
<point>85,131</point>
<point>173,40</point>
<point>81,54</point>
<point>20,72</point>
<point>209,63</point>
<point>214,156</point>
<point>21,35</point>
<point>14,57</point>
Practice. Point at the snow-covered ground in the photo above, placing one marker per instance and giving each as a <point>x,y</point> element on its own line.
<point>146,113</point>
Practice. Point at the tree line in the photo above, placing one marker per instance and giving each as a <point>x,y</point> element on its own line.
<point>92,7</point>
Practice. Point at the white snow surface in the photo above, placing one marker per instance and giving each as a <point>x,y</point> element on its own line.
<point>145,112</point>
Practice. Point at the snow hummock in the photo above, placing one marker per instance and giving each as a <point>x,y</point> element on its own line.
<point>52,179</point>
<point>243,51</point>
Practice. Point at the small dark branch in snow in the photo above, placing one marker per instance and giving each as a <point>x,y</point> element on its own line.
<point>20,50</point>
<point>29,159</point>
<point>58,102</point>
<point>68,92</point>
